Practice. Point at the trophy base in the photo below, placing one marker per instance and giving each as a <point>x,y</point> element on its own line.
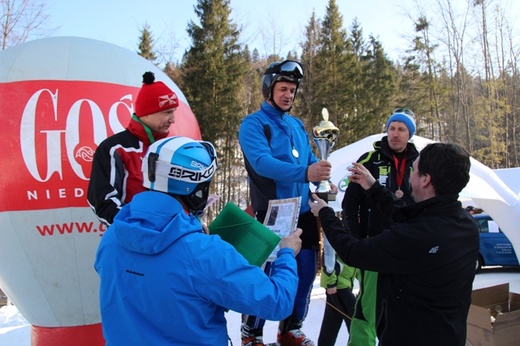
<point>326,196</point>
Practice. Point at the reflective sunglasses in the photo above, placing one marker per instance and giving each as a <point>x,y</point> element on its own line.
<point>287,68</point>
<point>404,111</point>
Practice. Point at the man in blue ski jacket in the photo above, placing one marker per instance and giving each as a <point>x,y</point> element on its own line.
<point>280,163</point>
<point>163,280</point>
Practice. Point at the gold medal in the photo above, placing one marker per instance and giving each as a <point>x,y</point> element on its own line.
<point>399,193</point>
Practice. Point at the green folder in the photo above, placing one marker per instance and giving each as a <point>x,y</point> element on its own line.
<point>252,239</point>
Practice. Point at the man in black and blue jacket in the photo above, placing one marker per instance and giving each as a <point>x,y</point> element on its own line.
<point>280,164</point>
<point>426,259</point>
<point>391,164</point>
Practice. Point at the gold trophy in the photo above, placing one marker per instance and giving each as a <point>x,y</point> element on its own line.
<point>324,136</point>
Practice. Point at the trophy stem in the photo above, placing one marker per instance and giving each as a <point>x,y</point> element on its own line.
<point>324,136</point>
<point>324,192</point>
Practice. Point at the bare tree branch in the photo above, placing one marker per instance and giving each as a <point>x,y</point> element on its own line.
<point>21,20</point>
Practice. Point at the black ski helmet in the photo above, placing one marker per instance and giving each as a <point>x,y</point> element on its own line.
<point>288,71</point>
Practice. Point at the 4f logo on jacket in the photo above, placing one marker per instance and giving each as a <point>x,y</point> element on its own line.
<point>434,249</point>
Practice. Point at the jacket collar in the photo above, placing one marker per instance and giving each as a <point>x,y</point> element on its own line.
<point>411,150</point>
<point>137,129</point>
<point>272,111</point>
<point>442,204</point>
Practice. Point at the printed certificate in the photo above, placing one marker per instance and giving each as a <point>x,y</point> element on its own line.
<point>282,218</point>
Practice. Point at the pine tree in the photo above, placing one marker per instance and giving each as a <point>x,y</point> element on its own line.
<point>334,65</point>
<point>373,82</point>
<point>413,87</point>
<point>212,77</point>
<point>306,102</point>
<point>172,70</point>
<point>251,94</point>
<point>146,44</point>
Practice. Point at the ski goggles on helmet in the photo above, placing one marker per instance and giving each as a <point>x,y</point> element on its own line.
<point>287,68</point>
<point>404,111</point>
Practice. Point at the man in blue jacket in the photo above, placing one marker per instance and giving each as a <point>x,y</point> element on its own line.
<point>280,164</point>
<point>163,280</point>
<point>426,259</point>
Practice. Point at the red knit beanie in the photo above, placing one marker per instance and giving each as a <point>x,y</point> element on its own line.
<point>154,97</point>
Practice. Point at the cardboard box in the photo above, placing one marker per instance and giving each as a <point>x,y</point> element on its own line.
<point>505,330</point>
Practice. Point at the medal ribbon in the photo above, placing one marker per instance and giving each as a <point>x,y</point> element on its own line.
<point>399,175</point>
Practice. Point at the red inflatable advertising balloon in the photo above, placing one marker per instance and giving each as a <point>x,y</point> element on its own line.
<point>59,98</point>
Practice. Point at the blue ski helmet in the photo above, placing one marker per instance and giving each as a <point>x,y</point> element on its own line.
<point>181,166</point>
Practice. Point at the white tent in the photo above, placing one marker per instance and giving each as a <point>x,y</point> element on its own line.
<point>511,177</point>
<point>485,187</point>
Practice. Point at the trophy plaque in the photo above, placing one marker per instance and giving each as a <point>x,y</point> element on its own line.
<point>324,135</point>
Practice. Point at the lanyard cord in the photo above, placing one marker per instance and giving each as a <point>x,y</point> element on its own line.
<point>337,309</point>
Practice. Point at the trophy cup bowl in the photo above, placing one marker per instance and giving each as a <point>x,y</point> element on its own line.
<point>324,135</point>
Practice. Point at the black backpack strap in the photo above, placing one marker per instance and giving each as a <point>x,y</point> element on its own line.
<point>267,132</point>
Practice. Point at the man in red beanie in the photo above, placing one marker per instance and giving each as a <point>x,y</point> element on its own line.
<point>116,168</point>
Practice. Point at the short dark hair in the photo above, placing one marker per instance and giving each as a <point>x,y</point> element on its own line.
<point>447,164</point>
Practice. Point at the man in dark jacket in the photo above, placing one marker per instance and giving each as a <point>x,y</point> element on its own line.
<point>116,168</point>
<point>426,260</point>
<point>391,163</point>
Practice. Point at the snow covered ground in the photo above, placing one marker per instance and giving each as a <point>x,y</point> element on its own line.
<point>16,331</point>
